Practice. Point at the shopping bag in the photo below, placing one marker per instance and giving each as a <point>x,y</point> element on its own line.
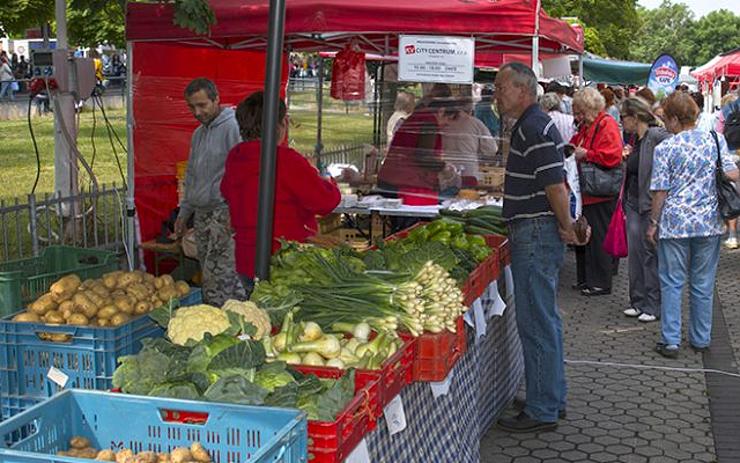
<point>348,75</point>
<point>615,241</point>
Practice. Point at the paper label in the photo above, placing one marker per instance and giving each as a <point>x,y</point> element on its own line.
<point>468,317</point>
<point>498,305</point>
<point>360,454</point>
<point>480,319</point>
<point>441,388</point>
<point>395,417</point>
<point>509,281</point>
<point>57,376</point>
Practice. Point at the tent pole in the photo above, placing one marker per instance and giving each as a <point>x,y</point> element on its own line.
<point>269,141</point>
<point>581,81</point>
<point>131,253</point>
<point>319,117</point>
<point>536,40</point>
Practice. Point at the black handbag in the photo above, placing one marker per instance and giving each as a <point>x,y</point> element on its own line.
<point>727,194</point>
<point>596,180</point>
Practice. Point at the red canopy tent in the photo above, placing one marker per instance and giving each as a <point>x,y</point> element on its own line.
<point>724,65</point>
<point>163,57</point>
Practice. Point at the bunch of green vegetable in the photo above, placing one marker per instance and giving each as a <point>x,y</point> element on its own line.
<point>486,220</point>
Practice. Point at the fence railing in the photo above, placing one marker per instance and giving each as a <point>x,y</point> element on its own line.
<point>92,219</point>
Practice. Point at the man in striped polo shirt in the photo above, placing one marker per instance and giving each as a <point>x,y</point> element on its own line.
<point>537,211</point>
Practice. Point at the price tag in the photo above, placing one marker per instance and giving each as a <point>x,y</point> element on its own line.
<point>360,454</point>
<point>498,306</point>
<point>480,319</point>
<point>57,376</point>
<point>395,417</point>
<point>442,387</point>
<point>509,281</point>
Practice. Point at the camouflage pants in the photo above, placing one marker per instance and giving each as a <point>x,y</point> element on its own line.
<point>214,237</point>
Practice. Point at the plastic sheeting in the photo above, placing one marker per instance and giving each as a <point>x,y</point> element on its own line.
<point>163,124</point>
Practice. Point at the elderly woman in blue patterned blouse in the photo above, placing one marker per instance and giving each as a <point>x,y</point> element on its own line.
<point>686,220</point>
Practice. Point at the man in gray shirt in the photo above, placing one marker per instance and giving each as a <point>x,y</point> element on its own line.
<point>210,144</point>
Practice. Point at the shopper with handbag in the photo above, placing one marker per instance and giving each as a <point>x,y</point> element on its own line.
<point>642,260</point>
<point>598,149</point>
<point>686,222</point>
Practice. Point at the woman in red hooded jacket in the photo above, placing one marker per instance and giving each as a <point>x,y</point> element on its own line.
<point>598,140</point>
<point>300,192</point>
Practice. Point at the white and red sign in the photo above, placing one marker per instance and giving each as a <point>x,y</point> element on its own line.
<point>431,58</point>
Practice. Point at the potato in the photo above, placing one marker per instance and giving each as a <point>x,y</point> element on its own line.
<point>66,305</point>
<point>27,317</point>
<point>124,304</point>
<point>149,279</point>
<point>106,455</point>
<point>137,292</point>
<point>142,308</point>
<point>107,312</point>
<point>183,289</point>
<point>78,319</point>
<point>199,453</point>
<point>66,313</point>
<point>102,322</point>
<point>117,293</point>
<point>127,279</point>
<point>54,318</point>
<point>167,293</point>
<point>96,299</point>
<point>84,305</point>
<point>146,457</point>
<point>100,290</point>
<point>163,458</point>
<point>59,337</point>
<point>79,442</point>
<point>168,280</point>
<point>124,456</point>
<point>87,452</point>
<point>180,455</point>
<point>110,281</point>
<point>119,319</point>
<point>43,304</point>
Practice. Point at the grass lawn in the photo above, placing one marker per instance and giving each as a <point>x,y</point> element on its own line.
<point>342,125</point>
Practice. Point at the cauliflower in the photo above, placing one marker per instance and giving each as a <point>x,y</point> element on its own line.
<point>194,322</point>
<point>252,314</point>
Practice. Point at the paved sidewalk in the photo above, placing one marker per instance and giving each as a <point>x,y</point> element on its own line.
<point>625,413</point>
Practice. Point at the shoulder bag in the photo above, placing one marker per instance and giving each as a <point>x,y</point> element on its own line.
<point>727,194</point>
<point>598,180</point>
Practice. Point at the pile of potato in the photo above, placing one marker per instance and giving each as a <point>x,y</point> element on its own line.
<point>79,447</point>
<point>108,301</point>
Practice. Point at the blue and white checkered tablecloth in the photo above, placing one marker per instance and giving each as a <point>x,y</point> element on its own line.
<point>448,428</point>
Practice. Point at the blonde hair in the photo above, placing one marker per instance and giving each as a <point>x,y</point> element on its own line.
<point>727,99</point>
<point>589,99</point>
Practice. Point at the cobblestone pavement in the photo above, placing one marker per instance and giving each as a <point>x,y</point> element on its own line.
<point>634,412</point>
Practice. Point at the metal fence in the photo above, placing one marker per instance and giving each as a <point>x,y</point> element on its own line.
<point>349,154</point>
<point>92,219</point>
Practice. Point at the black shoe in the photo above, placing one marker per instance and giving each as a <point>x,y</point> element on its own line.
<point>595,291</point>
<point>699,349</point>
<point>519,405</point>
<point>579,286</point>
<point>663,350</point>
<point>523,423</point>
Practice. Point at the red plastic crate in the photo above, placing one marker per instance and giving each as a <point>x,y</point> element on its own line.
<point>333,441</point>
<point>501,243</point>
<point>479,279</point>
<point>437,353</point>
<point>395,373</point>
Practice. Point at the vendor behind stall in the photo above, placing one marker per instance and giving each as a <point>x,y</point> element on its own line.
<point>300,192</point>
<point>414,158</point>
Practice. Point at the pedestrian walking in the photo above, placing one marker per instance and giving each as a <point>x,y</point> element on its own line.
<point>644,287</point>
<point>537,211</point>
<point>685,221</point>
<point>7,80</point>
<point>209,146</point>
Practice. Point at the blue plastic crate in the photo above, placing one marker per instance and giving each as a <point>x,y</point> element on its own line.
<point>231,433</point>
<point>88,358</point>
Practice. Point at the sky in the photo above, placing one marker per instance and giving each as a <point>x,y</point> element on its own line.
<point>699,7</point>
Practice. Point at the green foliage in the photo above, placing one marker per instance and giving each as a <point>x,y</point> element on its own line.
<point>195,15</point>
<point>717,32</point>
<point>236,389</point>
<point>666,29</point>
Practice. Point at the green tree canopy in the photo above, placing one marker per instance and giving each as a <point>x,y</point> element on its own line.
<point>665,29</point>
<point>717,32</point>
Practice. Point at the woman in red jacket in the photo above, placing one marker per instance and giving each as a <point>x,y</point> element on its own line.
<point>598,140</point>
<point>300,192</point>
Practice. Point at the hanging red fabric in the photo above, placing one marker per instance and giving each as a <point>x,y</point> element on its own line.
<point>348,75</point>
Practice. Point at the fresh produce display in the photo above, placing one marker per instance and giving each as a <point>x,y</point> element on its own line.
<point>108,301</point>
<point>80,447</point>
<point>486,220</point>
<point>304,343</point>
<point>227,368</point>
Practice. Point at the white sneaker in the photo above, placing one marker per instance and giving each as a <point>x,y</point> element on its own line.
<point>647,318</point>
<point>632,312</point>
<point>731,243</point>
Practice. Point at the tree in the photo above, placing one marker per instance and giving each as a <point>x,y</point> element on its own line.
<point>666,29</point>
<point>717,32</point>
<point>91,22</point>
<point>608,24</point>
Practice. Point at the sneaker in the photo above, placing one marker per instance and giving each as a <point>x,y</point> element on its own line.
<point>731,243</point>
<point>523,423</point>
<point>647,318</point>
<point>632,312</point>
<point>667,351</point>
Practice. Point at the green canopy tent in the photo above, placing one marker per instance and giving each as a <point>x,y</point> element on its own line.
<point>609,71</point>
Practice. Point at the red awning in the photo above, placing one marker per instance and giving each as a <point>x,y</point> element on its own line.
<point>316,25</point>
<point>727,64</point>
